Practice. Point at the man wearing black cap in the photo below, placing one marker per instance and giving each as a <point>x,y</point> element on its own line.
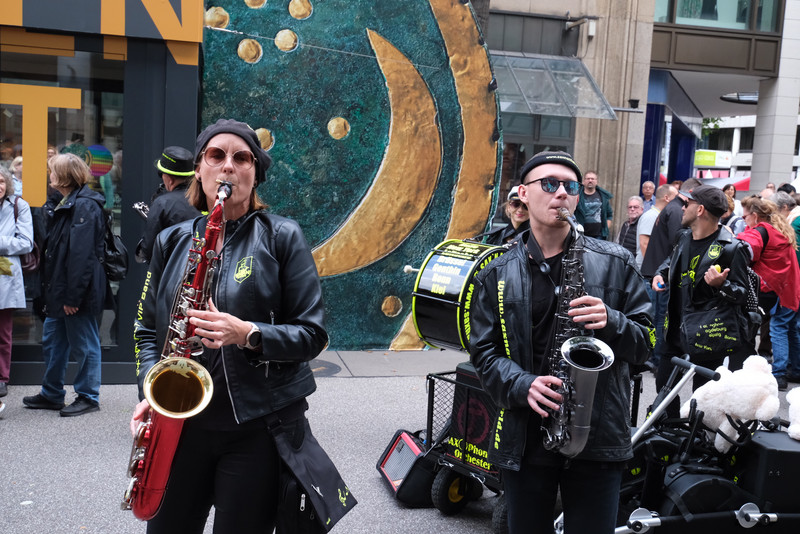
<point>175,166</point>
<point>707,270</point>
<point>517,325</point>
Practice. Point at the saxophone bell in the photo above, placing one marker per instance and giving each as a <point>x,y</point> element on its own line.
<point>178,387</point>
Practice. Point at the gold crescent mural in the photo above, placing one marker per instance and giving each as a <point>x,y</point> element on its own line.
<point>406,180</point>
<point>472,74</point>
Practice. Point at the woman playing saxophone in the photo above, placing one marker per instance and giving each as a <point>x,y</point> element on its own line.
<point>262,324</point>
<point>551,286</point>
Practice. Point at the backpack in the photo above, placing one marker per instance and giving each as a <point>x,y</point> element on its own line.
<point>115,259</point>
<point>754,313</point>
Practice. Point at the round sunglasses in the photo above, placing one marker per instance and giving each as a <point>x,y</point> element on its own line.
<point>214,157</point>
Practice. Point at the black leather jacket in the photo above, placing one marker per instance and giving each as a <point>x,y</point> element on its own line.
<point>266,275</point>
<point>166,210</point>
<point>501,347</point>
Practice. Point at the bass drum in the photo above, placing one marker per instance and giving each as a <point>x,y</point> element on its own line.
<point>443,292</point>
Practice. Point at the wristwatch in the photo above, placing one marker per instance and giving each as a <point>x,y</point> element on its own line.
<point>253,339</point>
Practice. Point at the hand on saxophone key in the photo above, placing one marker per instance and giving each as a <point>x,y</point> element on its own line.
<point>138,416</point>
<point>590,311</point>
<point>541,393</point>
<point>217,328</point>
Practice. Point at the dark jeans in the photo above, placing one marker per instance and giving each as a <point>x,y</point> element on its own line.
<point>236,472</point>
<point>665,367</point>
<point>589,495</point>
<point>659,299</point>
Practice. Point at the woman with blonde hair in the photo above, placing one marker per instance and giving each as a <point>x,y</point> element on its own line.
<point>74,288</point>
<point>773,243</point>
<point>16,238</point>
<point>516,212</point>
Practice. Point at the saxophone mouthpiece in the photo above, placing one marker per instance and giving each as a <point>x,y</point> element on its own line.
<point>224,190</point>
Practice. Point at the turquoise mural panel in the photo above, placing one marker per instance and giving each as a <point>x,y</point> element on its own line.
<point>356,195</point>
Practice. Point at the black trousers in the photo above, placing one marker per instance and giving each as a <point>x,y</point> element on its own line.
<point>589,495</point>
<point>236,472</point>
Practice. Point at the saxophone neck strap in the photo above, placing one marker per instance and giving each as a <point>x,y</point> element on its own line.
<point>535,252</point>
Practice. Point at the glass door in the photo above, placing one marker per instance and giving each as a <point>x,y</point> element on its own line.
<point>91,128</point>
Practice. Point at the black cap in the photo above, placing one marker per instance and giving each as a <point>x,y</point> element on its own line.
<point>176,161</point>
<point>244,131</point>
<point>545,158</point>
<point>711,198</point>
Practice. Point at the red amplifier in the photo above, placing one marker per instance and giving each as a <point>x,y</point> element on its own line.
<point>408,471</point>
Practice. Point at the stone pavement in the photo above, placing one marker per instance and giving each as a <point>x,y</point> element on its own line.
<point>67,475</point>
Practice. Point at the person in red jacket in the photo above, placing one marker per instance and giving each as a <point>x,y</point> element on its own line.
<point>773,244</point>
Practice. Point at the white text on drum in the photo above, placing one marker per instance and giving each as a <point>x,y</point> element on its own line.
<point>445,269</point>
<point>439,283</point>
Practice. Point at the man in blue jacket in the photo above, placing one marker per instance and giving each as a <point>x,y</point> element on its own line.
<point>514,321</point>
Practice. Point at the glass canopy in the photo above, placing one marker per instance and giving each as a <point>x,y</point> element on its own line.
<point>548,85</point>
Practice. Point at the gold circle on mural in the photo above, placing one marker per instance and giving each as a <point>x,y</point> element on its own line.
<point>338,127</point>
<point>391,306</point>
<point>255,4</point>
<point>286,40</point>
<point>216,17</point>
<point>300,9</point>
<point>249,50</point>
<point>265,138</point>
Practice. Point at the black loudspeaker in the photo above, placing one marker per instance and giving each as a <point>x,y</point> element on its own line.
<point>407,469</point>
<point>770,468</point>
<point>472,422</point>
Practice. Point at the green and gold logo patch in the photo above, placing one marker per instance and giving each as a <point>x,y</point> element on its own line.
<point>714,251</point>
<point>244,268</point>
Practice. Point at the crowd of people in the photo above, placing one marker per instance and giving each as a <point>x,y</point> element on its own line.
<point>680,261</point>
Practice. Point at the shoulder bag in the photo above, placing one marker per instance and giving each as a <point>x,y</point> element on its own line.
<point>726,328</point>
<point>312,496</point>
<point>29,261</point>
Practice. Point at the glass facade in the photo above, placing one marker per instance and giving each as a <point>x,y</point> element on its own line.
<point>721,14</point>
<point>92,129</point>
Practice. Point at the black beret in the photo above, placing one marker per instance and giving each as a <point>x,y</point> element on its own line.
<point>263,161</point>
<point>545,158</point>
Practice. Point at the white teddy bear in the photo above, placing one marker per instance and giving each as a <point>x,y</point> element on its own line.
<point>793,398</point>
<point>750,393</point>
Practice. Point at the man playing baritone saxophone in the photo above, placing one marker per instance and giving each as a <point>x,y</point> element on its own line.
<point>512,334</point>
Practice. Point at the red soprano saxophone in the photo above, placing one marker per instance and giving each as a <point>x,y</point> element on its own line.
<point>177,387</point>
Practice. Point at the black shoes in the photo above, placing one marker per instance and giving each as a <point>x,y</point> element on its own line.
<point>791,377</point>
<point>37,402</point>
<point>782,383</point>
<point>3,389</point>
<point>81,406</point>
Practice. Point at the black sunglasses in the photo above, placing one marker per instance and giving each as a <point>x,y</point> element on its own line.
<point>550,185</point>
<point>517,204</point>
